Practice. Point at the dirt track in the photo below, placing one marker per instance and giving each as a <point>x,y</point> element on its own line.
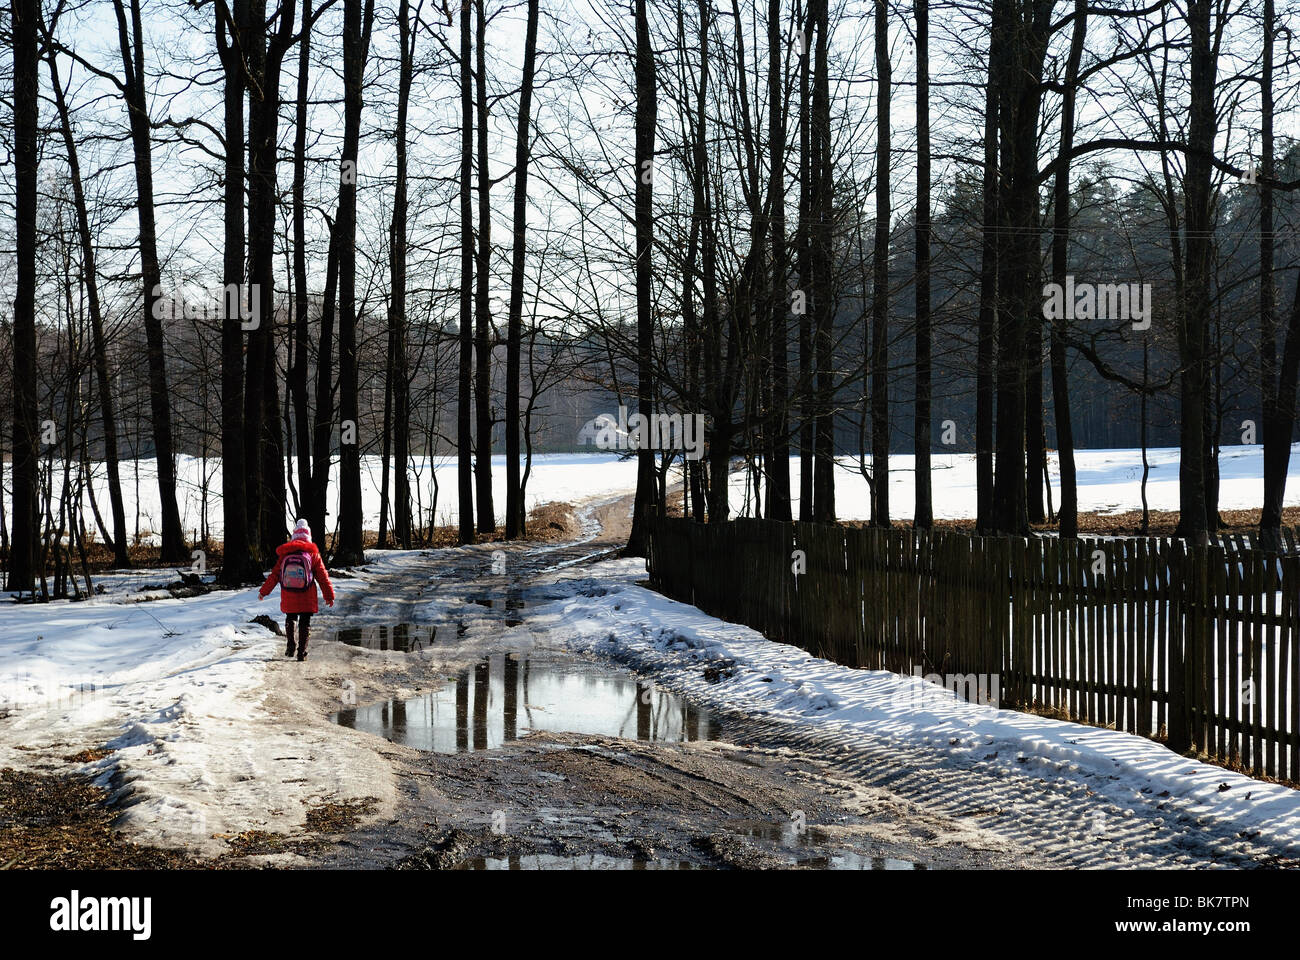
<point>589,799</point>
<point>330,774</point>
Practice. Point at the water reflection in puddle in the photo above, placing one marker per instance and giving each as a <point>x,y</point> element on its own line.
<point>507,696</point>
<point>593,861</point>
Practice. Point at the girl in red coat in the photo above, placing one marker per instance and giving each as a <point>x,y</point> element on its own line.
<point>298,570</point>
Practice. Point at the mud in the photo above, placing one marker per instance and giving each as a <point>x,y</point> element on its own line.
<point>583,802</point>
<point>478,787</point>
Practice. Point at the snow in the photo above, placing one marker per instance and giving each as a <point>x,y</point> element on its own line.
<point>178,690</point>
<point>613,617</point>
<point>554,477</point>
<point>1109,481</point>
<point>183,690</point>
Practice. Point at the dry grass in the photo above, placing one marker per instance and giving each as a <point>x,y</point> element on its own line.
<point>89,755</point>
<point>339,817</point>
<point>61,823</point>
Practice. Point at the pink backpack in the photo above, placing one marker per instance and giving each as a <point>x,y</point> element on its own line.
<point>295,572</point>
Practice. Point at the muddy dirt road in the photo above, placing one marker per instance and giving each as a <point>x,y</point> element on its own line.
<point>509,754</point>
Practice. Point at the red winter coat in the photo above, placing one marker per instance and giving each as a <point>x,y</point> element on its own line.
<point>300,601</point>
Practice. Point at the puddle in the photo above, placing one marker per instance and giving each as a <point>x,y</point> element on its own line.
<point>507,696</point>
<point>548,861</point>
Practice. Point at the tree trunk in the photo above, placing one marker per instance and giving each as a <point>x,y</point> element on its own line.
<point>238,563</point>
<point>131,43</point>
<point>26,519</point>
<point>262,401</point>
<point>1069,514</point>
<point>1277,444</point>
<point>356,42</point>
<point>923,516</point>
<point>807,404</point>
<point>514,328</point>
<point>464,396</point>
<point>823,208</point>
<point>398,368</point>
<point>1035,438</point>
<point>986,328</point>
<point>482,305</point>
<point>1193,325</point>
<point>777,453</point>
<point>1019,84</point>
<point>880,282</point>
<point>646,108</point>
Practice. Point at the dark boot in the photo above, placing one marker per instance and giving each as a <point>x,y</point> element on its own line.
<point>302,642</point>
<point>288,632</point>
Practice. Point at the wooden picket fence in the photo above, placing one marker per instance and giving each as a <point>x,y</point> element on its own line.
<point>1199,648</point>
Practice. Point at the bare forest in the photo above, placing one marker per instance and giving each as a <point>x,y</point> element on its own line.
<point>289,239</point>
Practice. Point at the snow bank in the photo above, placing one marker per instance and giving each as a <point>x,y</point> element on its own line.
<point>780,682</point>
<point>178,692</point>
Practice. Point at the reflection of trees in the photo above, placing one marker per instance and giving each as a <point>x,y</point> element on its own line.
<point>644,694</point>
<point>462,713</point>
<point>511,706</point>
<point>482,683</point>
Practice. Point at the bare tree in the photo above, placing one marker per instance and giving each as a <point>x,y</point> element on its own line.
<point>514,323</point>
<point>464,442</point>
<point>356,44</point>
<point>646,108</point>
<point>482,292</point>
<point>22,555</point>
<point>879,353</point>
<point>132,87</point>
<point>923,514</point>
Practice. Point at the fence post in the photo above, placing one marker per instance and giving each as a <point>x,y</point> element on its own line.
<point>1181,626</point>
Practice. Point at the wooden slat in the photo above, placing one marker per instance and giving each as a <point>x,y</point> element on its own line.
<point>1161,641</point>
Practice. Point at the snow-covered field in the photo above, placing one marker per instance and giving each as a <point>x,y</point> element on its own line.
<point>554,477</point>
<point>1109,481</point>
